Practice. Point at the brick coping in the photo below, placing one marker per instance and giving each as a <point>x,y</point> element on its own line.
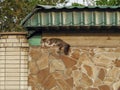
<point>13,33</point>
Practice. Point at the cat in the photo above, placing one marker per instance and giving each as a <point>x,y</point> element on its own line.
<point>62,45</point>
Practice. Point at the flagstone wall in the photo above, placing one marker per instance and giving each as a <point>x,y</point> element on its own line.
<point>85,68</point>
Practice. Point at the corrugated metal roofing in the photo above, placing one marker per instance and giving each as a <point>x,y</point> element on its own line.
<point>54,16</point>
<point>76,7</point>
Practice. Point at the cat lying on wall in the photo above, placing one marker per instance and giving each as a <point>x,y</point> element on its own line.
<point>62,45</point>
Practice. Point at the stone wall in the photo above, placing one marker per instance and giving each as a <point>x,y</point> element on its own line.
<point>13,61</point>
<point>85,68</point>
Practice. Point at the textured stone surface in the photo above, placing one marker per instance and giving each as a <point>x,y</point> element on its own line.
<point>56,65</point>
<point>116,85</point>
<point>88,69</point>
<point>69,62</point>
<point>84,68</point>
<point>117,63</point>
<point>49,82</point>
<point>42,75</point>
<point>104,87</point>
<point>42,62</point>
<point>63,85</point>
<point>92,88</point>
<point>85,80</point>
<point>76,54</point>
<point>101,74</point>
<point>35,53</point>
<point>33,67</point>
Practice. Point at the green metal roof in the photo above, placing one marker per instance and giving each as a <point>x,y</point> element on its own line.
<point>71,16</point>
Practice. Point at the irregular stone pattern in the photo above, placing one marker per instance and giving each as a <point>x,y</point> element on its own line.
<point>85,68</point>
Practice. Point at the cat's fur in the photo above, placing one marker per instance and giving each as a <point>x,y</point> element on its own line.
<point>62,45</point>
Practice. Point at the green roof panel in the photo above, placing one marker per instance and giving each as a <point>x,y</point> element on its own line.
<point>44,16</point>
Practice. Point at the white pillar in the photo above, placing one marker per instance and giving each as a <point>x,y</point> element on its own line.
<point>13,61</point>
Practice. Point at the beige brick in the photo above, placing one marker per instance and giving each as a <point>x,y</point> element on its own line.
<point>12,36</point>
<point>2,87</point>
<point>13,66</point>
<point>4,37</point>
<point>24,53</point>
<point>12,78</point>
<point>2,45</point>
<point>24,74</point>
<point>2,83</point>
<point>2,61</point>
<point>3,40</point>
<point>23,70</point>
<point>2,57</point>
<point>2,49</point>
<point>17,44</point>
<point>13,49</point>
<point>24,83</point>
<point>23,87</point>
<point>12,40</point>
<point>12,57</point>
<point>12,74</point>
<point>15,87</point>
<point>2,75</point>
<point>8,44</point>
<point>24,40</point>
<point>13,70</point>
<point>24,49</point>
<point>29,88</point>
<point>21,36</point>
<point>24,65</point>
<point>12,82</point>
<point>2,65</point>
<point>25,44</point>
<point>24,57</point>
<point>13,53</point>
<point>2,53</point>
<point>24,61</point>
<point>2,78</point>
<point>2,70</point>
<point>24,78</point>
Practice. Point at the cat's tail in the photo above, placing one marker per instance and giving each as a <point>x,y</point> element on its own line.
<point>66,49</point>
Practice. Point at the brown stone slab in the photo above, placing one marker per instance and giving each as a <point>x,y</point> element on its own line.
<point>85,80</point>
<point>76,54</point>
<point>101,74</point>
<point>63,85</point>
<point>49,82</point>
<point>69,62</point>
<point>42,75</point>
<point>33,67</point>
<point>117,63</point>
<point>89,70</point>
<point>104,87</point>
<point>92,88</point>
<point>70,82</point>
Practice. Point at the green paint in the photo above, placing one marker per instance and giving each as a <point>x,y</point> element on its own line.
<point>34,20</point>
<point>62,18</point>
<point>35,40</point>
<point>69,18</point>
